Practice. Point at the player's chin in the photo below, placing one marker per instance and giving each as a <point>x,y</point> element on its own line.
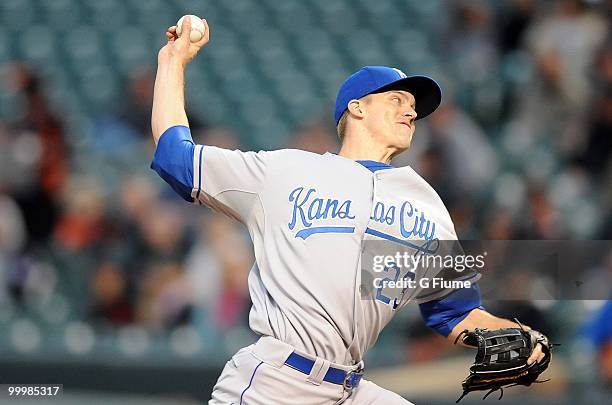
<point>404,139</point>
<point>406,132</point>
<point>402,146</point>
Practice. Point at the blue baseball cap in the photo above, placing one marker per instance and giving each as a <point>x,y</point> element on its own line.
<point>373,79</point>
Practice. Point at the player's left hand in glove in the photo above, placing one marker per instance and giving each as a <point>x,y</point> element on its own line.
<point>502,358</point>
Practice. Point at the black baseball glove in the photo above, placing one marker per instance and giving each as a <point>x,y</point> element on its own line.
<point>501,360</point>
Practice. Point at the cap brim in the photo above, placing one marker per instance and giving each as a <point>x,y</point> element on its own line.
<point>426,92</point>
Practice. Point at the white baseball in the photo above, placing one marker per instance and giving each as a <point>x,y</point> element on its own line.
<point>197,27</point>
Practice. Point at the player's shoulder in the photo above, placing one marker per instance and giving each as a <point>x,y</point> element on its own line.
<point>296,155</point>
<point>274,153</point>
<point>418,178</point>
<point>418,182</point>
<point>295,152</point>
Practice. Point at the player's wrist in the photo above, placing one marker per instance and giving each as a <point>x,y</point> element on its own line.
<point>176,62</point>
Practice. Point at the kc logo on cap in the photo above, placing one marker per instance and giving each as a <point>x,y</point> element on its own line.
<point>401,74</point>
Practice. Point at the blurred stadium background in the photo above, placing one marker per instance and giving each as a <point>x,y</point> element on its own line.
<point>112,286</point>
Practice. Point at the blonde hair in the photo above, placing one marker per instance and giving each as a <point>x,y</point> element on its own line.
<point>341,127</point>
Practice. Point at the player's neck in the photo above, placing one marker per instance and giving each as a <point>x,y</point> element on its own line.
<point>353,150</point>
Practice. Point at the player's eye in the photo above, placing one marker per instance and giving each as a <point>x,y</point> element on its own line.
<point>396,99</point>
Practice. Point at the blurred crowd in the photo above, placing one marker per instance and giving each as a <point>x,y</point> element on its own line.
<point>520,149</point>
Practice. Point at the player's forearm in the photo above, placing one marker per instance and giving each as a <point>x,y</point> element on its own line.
<point>478,318</point>
<point>168,97</point>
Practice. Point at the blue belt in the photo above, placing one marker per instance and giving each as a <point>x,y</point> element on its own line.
<point>338,376</point>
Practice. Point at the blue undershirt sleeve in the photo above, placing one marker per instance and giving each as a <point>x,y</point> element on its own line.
<point>173,160</point>
<point>444,314</point>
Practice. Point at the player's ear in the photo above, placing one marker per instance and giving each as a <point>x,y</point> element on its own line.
<point>355,107</point>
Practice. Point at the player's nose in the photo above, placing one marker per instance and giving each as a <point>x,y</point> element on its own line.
<point>412,114</point>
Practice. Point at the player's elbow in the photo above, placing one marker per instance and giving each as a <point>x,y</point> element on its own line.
<point>173,160</point>
<point>445,314</point>
<point>445,324</point>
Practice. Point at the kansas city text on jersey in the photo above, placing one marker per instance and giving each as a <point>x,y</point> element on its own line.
<point>308,207</point>
<point>412,222</point>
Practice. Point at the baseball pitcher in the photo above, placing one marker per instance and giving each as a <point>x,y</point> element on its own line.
<point>309,216</point>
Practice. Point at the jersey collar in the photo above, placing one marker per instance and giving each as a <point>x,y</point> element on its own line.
<point>370,165</point>
<point>373,165</point>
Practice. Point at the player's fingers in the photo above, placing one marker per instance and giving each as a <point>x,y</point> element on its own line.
<point>172,31</point>
<point>186,29</point>
<point>206,37</point>
<point>536,356</point>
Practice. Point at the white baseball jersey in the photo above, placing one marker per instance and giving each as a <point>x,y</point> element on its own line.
<point>308,216</point>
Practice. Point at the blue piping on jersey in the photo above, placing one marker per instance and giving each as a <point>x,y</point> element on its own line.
<point>250,382</point>
<point>425,248</point>
<point>200,174</point>
<point>304,233</point>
